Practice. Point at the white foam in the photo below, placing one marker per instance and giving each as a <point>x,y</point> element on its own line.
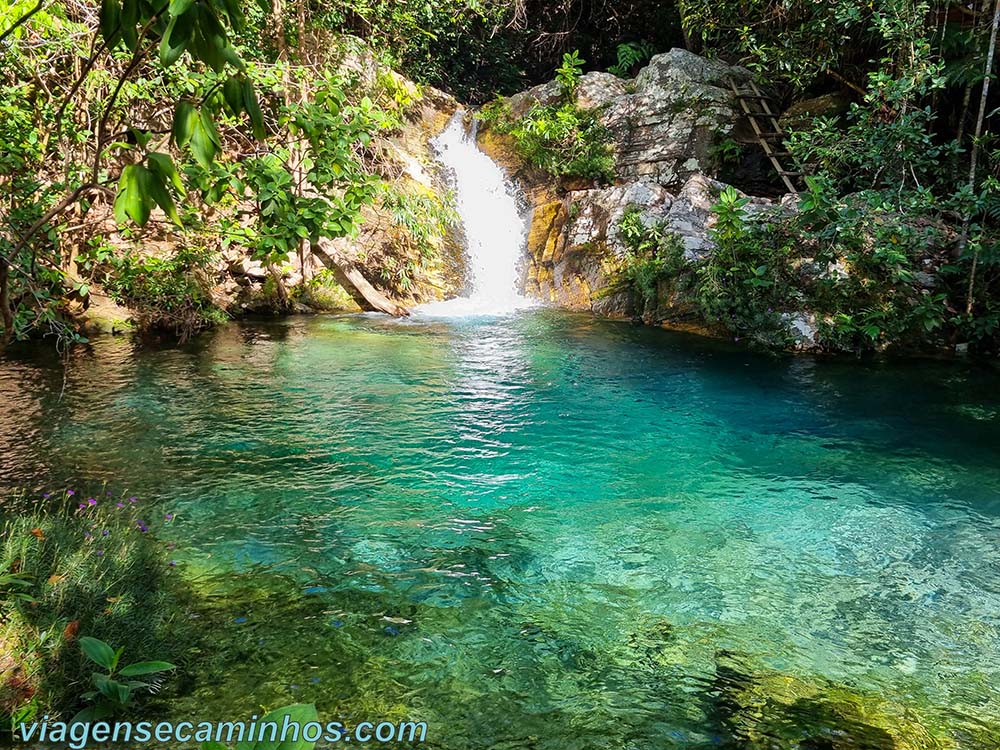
<point>494,229</point>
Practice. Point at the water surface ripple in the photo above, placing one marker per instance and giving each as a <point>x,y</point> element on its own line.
<point>546,530</point>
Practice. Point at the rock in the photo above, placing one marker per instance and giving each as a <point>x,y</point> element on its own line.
<point>803,330</point>
<point>763,708</point>
<point>250,268</point>
<point>542,95</point>
<point>803,111</point>
<point>596,90</point>
<point>681,106</point>
<point>104,315</point>
<point>664,123</point>
<point>574,244</point>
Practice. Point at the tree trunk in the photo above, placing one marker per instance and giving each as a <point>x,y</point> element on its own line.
<point>350,277</point>
<point>5,311</point>
<point>974,157</point>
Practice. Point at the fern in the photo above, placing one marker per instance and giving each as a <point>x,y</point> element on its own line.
<point>630,55</point>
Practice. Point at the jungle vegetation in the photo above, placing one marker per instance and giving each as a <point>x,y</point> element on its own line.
<point>229,121</point>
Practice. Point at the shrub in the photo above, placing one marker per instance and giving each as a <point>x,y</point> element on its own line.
<point>95,571</point>
<point>561,139</point>
<point>164,293</point>
<point>651,255</point>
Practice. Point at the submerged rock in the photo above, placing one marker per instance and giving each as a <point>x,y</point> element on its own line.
<point>769,710</point>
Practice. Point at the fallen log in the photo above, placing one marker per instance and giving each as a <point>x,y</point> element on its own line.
<point>350,277</point>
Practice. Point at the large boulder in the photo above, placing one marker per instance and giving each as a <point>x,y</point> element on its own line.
<point>680,106</point>
<point>575,247</point>
<point>663,126</point>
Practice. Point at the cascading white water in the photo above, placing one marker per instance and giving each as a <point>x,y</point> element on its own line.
<point>494,228</point>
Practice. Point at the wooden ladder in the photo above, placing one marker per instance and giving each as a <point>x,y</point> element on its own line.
<point>766,137</point>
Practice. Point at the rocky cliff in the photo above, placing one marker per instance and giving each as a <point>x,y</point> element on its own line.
<point>666,126</point>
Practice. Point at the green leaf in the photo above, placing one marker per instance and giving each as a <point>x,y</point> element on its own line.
<point>110,22</point>
<point>121,216</point>
<point>92,713</point>
<point>146,667</point>
<point>230,56</point>
<point>129,19</point>
<point>179,7</point>
<point>175,40</point>
<point>232,93</point>
<point>299,713</point>
<point>185,119</point>
<point>205,142</point>
<point>137,204</point>
<point>105,685</point>
<point>252,108</point>
<point>96,650</point>
<point>157,189</point>
<point>163,165</point>
<point>234,12</point>
<point>208,42</point>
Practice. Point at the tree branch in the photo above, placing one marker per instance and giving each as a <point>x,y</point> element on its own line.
<point>22,19</point>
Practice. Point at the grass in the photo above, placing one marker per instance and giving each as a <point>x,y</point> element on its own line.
<point>84,566</point>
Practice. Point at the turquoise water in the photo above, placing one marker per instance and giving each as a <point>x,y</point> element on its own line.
<point>549,531</point>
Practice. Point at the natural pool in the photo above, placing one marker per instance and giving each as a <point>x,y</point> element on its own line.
<point>549,531</point>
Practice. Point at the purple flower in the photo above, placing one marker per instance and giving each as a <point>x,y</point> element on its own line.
<point>133,500</point>
<point>70,492</point>
<point>169,516</point>
<point>108,493</point>
<point>142,525</point>
<point>105,532</point>
<point>119,505</point>
<point>46,495</point>
<point>99,553</point>
<point>91,502</point>
<point>81,506</point>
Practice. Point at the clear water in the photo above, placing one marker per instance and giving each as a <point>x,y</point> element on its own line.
<point>543,530</point>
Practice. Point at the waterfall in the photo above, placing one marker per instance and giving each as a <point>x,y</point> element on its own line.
<point>494,228</point>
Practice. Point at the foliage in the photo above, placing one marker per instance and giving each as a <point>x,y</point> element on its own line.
<point>631,55</point>
<point>561,139</point>
<point>324,134</point>
<point>94,568</point>
<point>743,283</point>
<point>111,694</point>
<point>650,256</point>
<point>423,217</point>
<point>568,74</point>
<point>323,292</point>
<point>165,293</point>
<point>855,264</point>
<point>78,119</point>
<point>888,142</point>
